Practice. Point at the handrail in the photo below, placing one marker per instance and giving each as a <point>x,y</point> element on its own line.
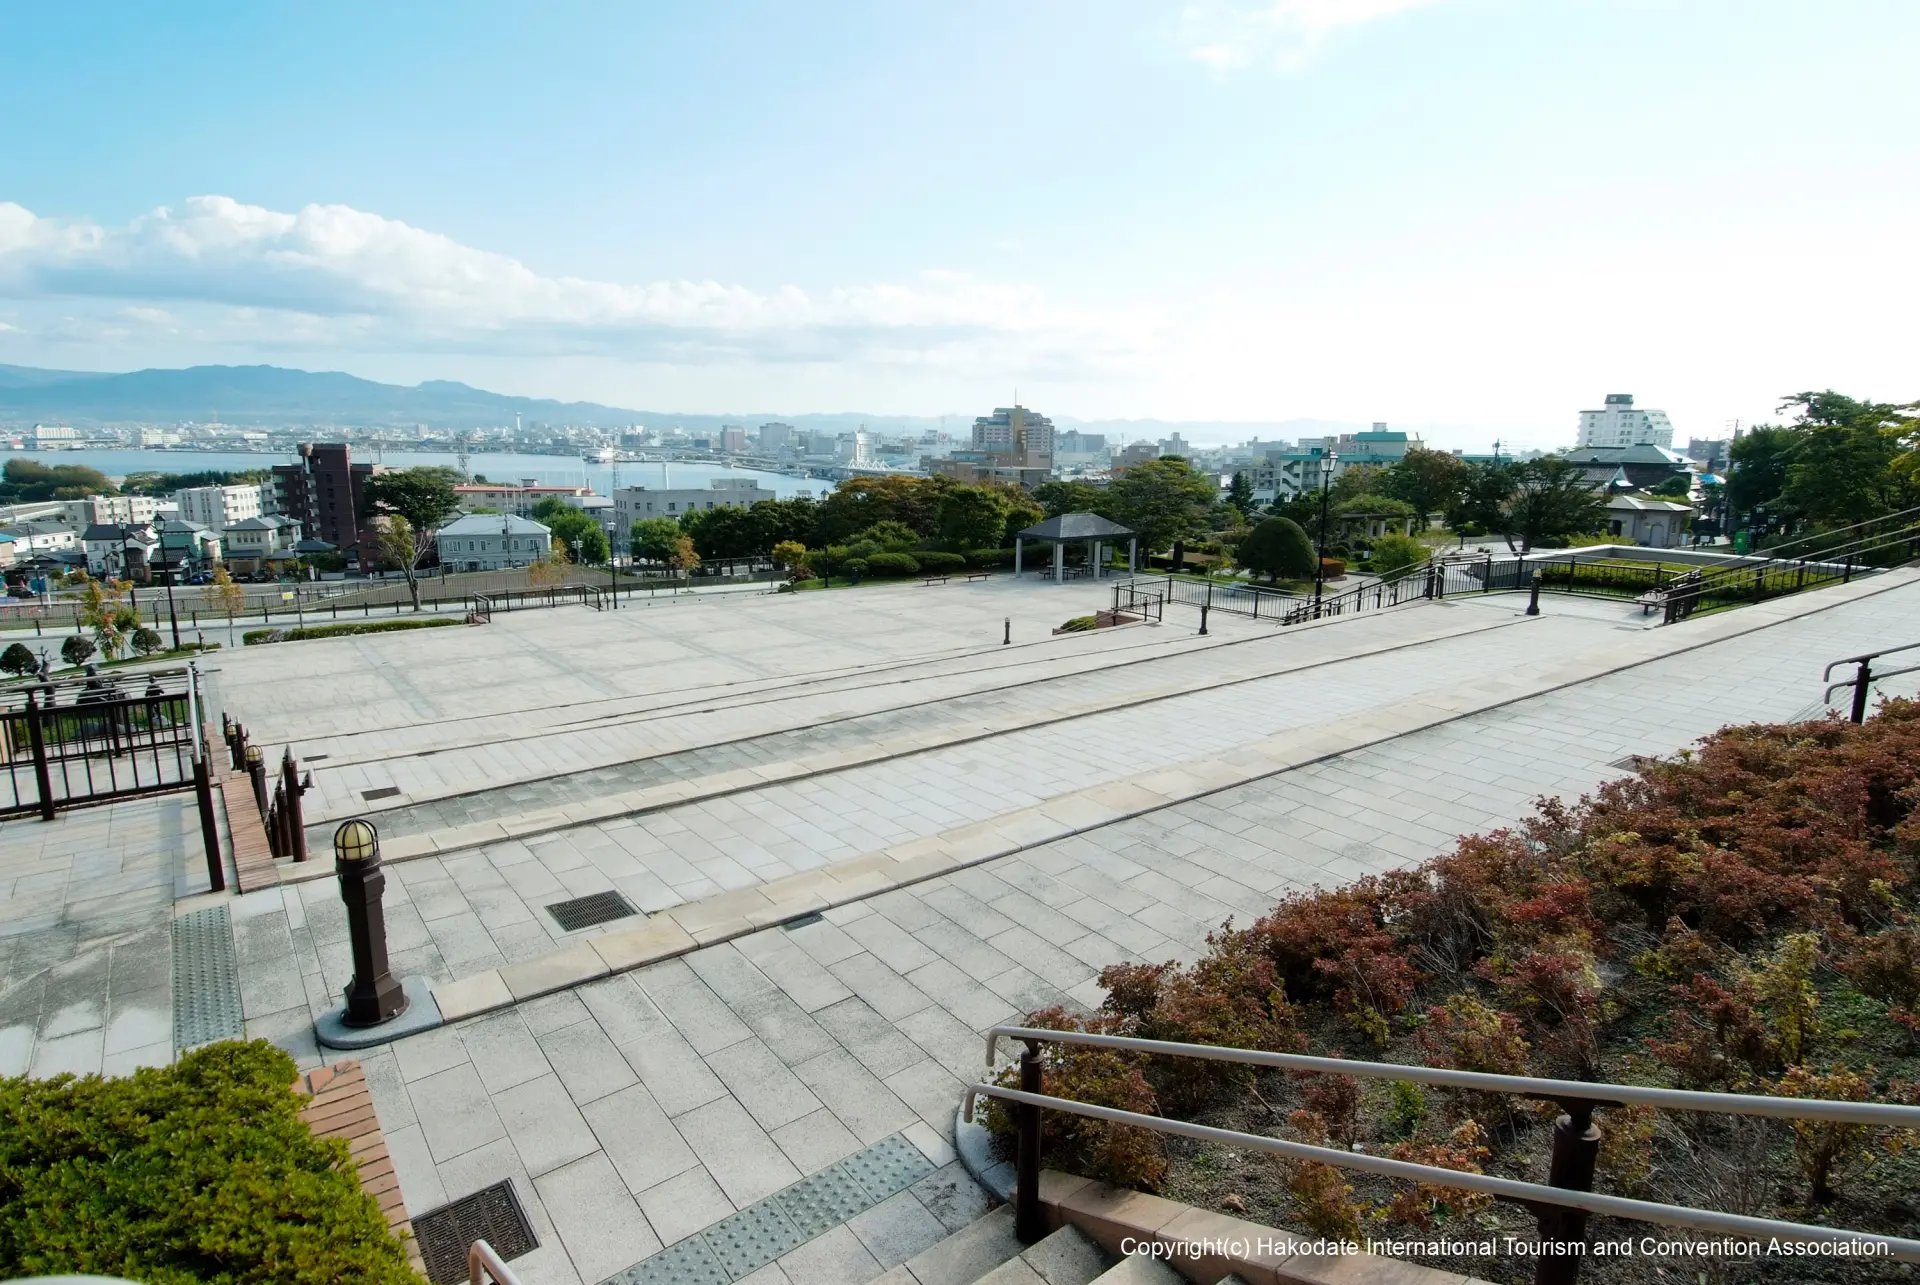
<point>1912,515</point>
<point>1520,1086</point>
<point>1562,1206</point>
<point>1525,1193</point>
<point>1864,677</point>
<point>1858,660</point>
<point>484,1262</point>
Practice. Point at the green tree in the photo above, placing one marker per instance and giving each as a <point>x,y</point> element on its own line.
<point>1395,552</point>
<point>1842,467</point>
<point>653,539</point>
<point>1757,466</point>
<point>1481,506</point>
<point>1072,496</point>
<point>1277,548</point>
<point>1678,487</point>
<point>104,609</point>
<point>1240,495</point>
<point>1431,481</point>
<point>146,641</point>
<point>28,480</point>
<point>1551,500</point>
<point>972,517</point>
<point>858,503</point>
<point>1022,512</point>
<point>76,650</point>
<point>1163,500</point>
<point>570,524</point>
<point>422,499</point>
<point>18,661</point>
<point>792,555</point>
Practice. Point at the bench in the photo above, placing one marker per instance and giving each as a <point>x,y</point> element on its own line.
<point>1651,601</point>
<point>938,579</point>
<point>979,575</point>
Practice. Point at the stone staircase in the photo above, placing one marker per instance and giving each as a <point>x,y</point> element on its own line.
<point>985,1252</point>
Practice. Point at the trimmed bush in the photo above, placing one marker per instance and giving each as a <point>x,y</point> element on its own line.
<point>1394,552</point>
<point>1332,568</point>
<point>1078,625</point>
<point>989,557</point>
<point>893,564</point>
<point>263,636</point>
<point>197,1172</point>
<point>932,560</point>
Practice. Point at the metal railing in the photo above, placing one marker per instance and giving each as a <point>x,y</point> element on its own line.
<point>1562,1205</point>
<point>1864,676</point>
<point>483,1265</point>
<point>67,742</point>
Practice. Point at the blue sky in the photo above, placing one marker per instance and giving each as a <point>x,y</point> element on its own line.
<point>1472,216</point>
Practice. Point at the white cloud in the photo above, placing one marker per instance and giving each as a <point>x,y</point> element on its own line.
<point>1226,34</point>
<point>362,278</point>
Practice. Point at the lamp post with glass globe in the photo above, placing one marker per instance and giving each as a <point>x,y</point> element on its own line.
<point>373,996</point>
<point>1328,461</point>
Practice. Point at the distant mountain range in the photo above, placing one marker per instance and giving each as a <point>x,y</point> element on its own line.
<point>275,397</point>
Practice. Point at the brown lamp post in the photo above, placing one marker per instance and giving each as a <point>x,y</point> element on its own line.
<point>373,996</point>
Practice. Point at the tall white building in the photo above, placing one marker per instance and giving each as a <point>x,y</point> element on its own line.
<point>1619,424</point>
<point>633,504</point>
<point>218,507</point>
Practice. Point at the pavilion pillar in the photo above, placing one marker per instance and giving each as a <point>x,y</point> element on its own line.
<point>1059,561</point>
<point>1096,558</point>
<point>1133,543</point>
<point>1018,544</point>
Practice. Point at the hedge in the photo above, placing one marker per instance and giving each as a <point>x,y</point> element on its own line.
<point>989,557</point>
<point>892,564</point>
<point>253,636</point>
<point>197,1172</point>
<point>932,560</point>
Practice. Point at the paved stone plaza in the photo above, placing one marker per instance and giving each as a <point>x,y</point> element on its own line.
<point>1090,799</point>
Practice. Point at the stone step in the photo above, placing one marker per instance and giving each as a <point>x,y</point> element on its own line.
<point>1066,1256</point>
<point>964,1257</point>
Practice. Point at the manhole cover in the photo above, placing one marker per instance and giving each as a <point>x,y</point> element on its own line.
<point>585,912</point>
<point>384,792</point>
<point>492,1214</point>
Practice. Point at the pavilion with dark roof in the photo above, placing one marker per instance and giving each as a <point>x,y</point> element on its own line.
<point>1070,527</point>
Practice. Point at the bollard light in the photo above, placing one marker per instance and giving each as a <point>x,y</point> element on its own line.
<point>373,996</point>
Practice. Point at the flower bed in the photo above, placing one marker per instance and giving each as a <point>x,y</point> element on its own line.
<point>1740,918</point>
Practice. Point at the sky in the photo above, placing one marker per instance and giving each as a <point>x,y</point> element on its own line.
<point>1471,218</point>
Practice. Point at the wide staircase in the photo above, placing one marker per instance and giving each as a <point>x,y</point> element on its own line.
<point>986,1252</point>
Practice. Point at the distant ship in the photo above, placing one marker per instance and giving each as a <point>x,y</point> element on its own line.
<point>605,455</point>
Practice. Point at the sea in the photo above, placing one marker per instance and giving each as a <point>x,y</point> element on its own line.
<point>497,466</point>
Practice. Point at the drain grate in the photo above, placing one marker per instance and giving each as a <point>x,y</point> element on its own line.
<point>315,758</point>
<point>802,921</point>
<point>206,980</point>
<point>585,912</point>
<point>1631,763</point>
<point>383,792</point>
<point>492,1214</point>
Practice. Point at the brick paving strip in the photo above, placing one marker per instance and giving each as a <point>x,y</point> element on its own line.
<point>730,915</point>
<point>342,1107</point>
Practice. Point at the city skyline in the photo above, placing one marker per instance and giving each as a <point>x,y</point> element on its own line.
<point>1463,217</point>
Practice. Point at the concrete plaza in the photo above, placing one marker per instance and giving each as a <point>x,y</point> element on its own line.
<point>1094,798</point>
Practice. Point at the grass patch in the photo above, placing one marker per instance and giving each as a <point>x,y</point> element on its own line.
<point>260,637</point>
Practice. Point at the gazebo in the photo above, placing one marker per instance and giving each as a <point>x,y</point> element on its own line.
<point>1068,527</point>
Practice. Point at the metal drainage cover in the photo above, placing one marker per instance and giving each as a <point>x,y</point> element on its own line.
<point>206,980</point>
<point>1632,763</point>
<point>492,1214</point>
<point>383,792</point>
<point>585,912</point>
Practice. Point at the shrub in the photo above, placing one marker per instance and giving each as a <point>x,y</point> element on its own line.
<point>1462,1152</point>
<point>1332,568</point>
<point>1886,967</point>
<point>1718,1038</point>
<point>1826,1151</point>
<point>1078,625</point>
<point>932,560</point>
<point>989,557</point>
<point>18,660</point>
<point>1406,1108</point>
<point>1467,1035</point>
<point>1626,1147</point>
<point>262,636</point>
<point>1334,945</point>
<point>197,1172</point>
<point>1336,1100</point>
<point>1276,549</point>
<point>146,641</point>
<point>76,650</point>
<point>1121,1155</point>
<point>892,564</point>
<point>1321,1196</point>
<point>1784,989</point>
<point>1395,552</point>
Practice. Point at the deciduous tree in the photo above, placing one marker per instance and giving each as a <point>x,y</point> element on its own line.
<point>422,499</point>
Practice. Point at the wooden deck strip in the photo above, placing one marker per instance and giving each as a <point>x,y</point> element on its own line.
<point>253,862</point>
<point>342,1107</point>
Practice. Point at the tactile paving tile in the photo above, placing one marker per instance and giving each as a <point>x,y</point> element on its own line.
<point>822,1202</point>
<point>206,980</point>
<point>752,1238</point>
<point>689,1262</point>
<point>889,1166</point>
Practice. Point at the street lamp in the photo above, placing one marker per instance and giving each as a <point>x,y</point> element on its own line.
<point>1328,460</point>
<point>373,996</point>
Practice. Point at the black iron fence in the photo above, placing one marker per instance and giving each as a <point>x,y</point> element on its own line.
<point>75,741</point>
